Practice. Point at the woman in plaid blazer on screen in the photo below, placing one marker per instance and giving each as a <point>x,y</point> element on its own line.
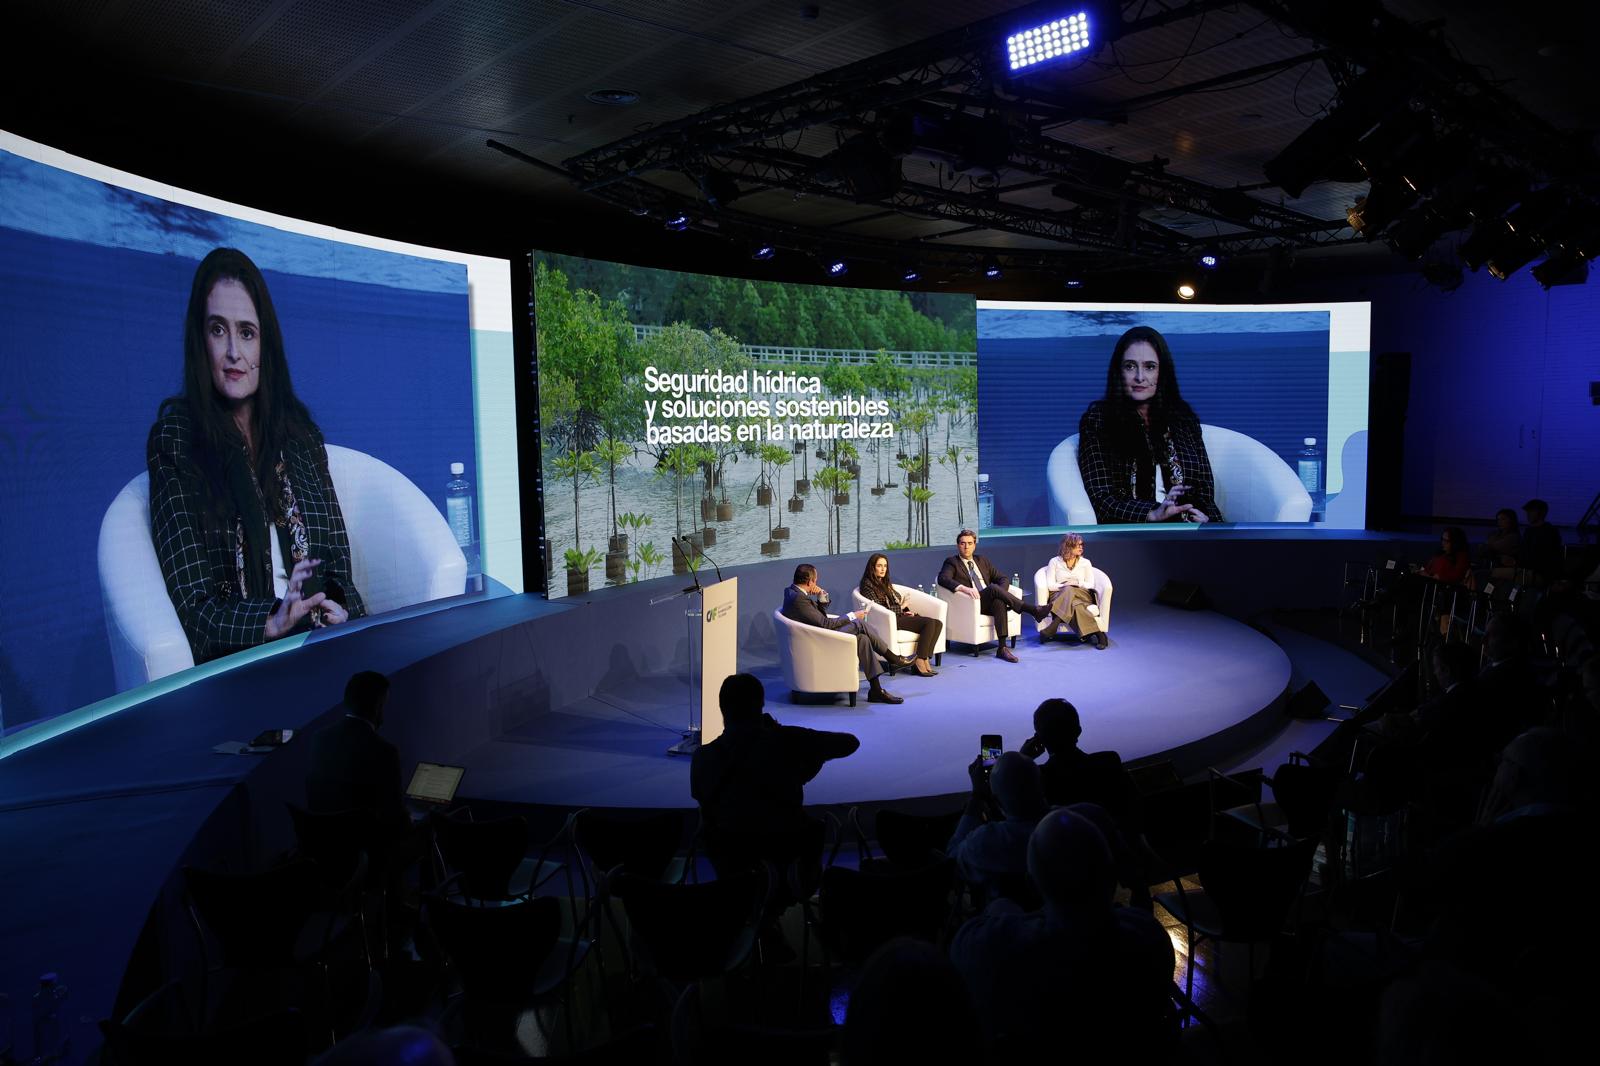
<point>243,514</point>
<point>1144,425</point>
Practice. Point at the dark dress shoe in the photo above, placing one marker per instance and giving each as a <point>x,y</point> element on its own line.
<point>1006,653</point>
<point>900,662</point>
<point>1101,641</point>
<point>1040,611</point>
<point>883,695</point>
<point>927,671</point>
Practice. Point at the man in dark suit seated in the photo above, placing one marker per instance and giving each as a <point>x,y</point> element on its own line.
<point>1073,775</point>
<point>969,574</point>
<point>804,602</point>
<point>750,781</point>
<point>352,766</point>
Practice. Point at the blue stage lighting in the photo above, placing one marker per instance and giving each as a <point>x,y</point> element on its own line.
<point>991,269</point>
<point>1074,283</point>
<point>1052,40</point>
<point>762,251</point>
<point>677,223</point>
<point>911,274</point>
<point>838,268</point>
<point>1209,259</point>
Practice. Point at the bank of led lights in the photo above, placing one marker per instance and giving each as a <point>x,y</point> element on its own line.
<point>1041,44</point>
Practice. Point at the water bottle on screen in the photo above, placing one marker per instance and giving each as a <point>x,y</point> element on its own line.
<point>1308,465</point>
<point>1016,581</point>
<point>985,503</point>
<point>458,512</point>
<point>49,1007</point>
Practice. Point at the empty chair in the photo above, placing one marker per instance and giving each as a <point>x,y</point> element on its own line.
<point>480,859</point>
<point>504,958</point>
<point>688,932</point>
<point>1245,895</point>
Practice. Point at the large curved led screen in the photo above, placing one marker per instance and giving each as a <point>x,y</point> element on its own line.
<point>1133,414</point>
<point>198,400</point>
<point>690,420</point>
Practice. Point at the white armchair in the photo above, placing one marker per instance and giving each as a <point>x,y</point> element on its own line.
<point>817,660</point>
<point>1101,608</point>
<point>1253,484</point>
<point>965,622</point>
<point>881,620</point>
<point>401,552</point>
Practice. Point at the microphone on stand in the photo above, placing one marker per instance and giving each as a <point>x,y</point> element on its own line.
<point>687,548</point>
<point>713,563</point>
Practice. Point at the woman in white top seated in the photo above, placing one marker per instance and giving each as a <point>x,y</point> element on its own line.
<point>1070,581</point>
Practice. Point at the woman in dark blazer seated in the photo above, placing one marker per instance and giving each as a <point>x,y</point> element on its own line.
<point>242,509</point>
<point>877,586</point>
<point>1143,426</point>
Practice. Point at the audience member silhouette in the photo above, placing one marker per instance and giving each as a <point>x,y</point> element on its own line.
<point>352,766</point>
<point>1071,775</point>
<point>1502,547</point>
<point>750,781</point>
<point>1080,969</point>
<point>1542,553</point>
<point>990,846</point>
<point>1508,688</point>
<point>1491,888</point>
<point>909,1005</point>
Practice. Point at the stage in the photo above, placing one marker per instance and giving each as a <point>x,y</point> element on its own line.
<point>552,706</point>
<point>1175,684</point>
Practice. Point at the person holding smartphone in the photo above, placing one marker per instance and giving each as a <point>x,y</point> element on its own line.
<point>805,602</point>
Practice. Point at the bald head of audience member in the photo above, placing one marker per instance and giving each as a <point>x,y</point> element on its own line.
<point>1017,787</point>
<point>1071,865</point>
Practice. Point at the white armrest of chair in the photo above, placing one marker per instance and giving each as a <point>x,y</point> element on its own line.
<point>880,620</point>
<point>147,641</point>
<point>924,604</point>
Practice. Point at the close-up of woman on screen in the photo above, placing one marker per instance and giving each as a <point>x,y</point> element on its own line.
<point>1139,449</point>
<point>243,513</point>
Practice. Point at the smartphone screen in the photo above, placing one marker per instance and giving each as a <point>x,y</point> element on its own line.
<point>989,748</point>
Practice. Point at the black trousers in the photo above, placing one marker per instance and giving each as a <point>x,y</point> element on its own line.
<point>926,629</point>
<point>995,601</point>
<point>868,650</point>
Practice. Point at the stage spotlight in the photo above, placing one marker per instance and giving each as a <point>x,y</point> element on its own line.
<point>992,270</point>
<point>1073,283</point>
<point>910,274</point>
<point>1209,259</point>
<point>1047,42</point>
<point>1485,239</point>
<point>1187,291</point>
<point>1512,256</point>
<point>1325,150</point>
<point>837,268</point>
<point>1413,234</point>
<point>762,250</point>
<point>1564,268</point>
<point>677,223</point>
<point>1384,202</point>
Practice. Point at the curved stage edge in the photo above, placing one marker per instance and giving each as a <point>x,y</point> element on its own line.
<point>573,702</point>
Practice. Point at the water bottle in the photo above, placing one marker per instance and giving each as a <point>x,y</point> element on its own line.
<point>458,512</point>
<point>49,1005</point>
<point>1016,582</point>
<point>1308,465</point>
<point>985,503</point>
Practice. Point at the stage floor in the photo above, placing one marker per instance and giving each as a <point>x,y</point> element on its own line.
<point>1171,680</point>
